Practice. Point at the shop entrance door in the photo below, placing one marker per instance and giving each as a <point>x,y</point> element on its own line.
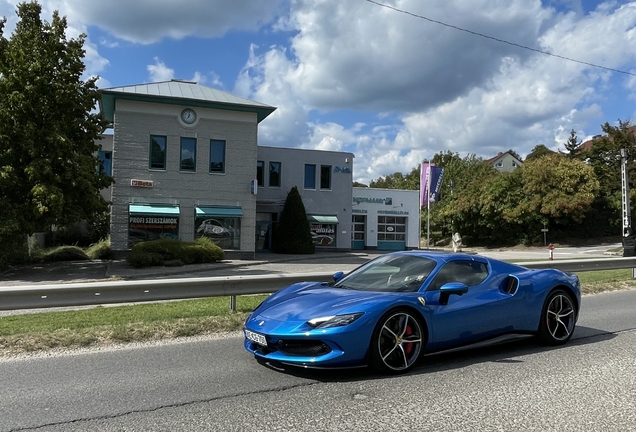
<point>263,232</point>
<point>358,231</point>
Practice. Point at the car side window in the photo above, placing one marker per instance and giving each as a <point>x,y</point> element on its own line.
<point>467,272</point>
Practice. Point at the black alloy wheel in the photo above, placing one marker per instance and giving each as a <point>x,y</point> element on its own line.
<point>558,318</point>
<point>397,342</point>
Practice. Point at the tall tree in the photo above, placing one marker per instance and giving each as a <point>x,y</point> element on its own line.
<point>48,129</point>
<point>556,189</point>
<point>292,234</point>
<point>572,145</point>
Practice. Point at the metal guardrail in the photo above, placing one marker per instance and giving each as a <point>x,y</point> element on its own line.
<point>95,293</point>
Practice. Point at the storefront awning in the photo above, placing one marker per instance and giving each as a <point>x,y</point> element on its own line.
<point>323,219</point>
<point>219,211</point>
<point>154,209</point>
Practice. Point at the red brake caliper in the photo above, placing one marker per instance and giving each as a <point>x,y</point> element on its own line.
<point>409,345</point>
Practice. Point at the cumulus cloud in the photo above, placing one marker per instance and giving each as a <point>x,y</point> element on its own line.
<point>448,89</point>
<point>149,21</point>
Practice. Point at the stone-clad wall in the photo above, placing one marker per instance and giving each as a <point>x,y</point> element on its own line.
<point>134,122</point>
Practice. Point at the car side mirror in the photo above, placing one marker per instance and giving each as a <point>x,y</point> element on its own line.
<point>449,289</point>
<point>337,276</point>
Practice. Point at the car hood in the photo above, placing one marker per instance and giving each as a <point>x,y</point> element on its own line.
<point>318,300</point>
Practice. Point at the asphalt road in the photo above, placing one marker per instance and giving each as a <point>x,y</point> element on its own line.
<point>213,385</point>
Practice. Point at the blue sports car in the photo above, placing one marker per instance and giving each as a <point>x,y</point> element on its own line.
<point>391,310</point>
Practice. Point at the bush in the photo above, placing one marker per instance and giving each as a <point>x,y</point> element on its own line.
<point>64,253</point>
<point>158,252</point>
<point>100,250</point>
<point>13,250</point>
<point>292,234</point>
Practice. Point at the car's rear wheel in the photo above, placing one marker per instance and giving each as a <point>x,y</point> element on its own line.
<point>397,342</point>
<point>558,318</point>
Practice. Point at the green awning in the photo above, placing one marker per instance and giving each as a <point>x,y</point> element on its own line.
<point>323,219</point>
<point>219,211</point>
<point>154,209</point>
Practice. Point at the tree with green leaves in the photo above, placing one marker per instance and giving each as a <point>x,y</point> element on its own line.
<point>604,157</point>
<point>292,234</point>
<point>410,181</point>
<point>538,151</point>
<point>48,129</point>
<point>556,189</point>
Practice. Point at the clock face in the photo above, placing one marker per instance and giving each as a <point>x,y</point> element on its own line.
<point>188,116</point>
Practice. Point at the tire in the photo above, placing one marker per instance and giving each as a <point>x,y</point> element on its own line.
<point>558,318</point>
<point>397,342</point>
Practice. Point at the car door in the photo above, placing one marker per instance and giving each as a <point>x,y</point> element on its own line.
<point>483,311</point>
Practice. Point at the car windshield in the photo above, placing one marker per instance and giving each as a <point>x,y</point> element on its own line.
<point>390,273</point>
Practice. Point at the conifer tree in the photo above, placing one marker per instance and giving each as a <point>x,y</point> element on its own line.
<point>292,234</point>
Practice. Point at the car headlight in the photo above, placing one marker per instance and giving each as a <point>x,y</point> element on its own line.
<point>334,320</point>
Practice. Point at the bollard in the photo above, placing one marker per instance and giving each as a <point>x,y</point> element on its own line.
<point>551,249</point>
<point>233,303</point>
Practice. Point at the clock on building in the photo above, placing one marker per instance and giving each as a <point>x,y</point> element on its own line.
<point>188,116</point>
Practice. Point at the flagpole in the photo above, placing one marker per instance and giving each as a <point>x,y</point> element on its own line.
<point>428,209</point>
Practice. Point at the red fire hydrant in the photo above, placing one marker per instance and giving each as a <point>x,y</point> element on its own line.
<point>551,249</point>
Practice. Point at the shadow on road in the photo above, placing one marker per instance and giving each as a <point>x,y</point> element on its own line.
<point>450,360</point>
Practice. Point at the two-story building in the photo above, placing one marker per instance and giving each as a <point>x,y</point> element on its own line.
<point>186,163</point>
<point>184,160</point>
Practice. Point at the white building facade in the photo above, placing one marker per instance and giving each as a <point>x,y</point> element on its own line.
<point>385,219</point>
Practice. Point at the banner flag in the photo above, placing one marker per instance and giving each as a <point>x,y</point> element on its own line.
<point>424,177</point>
<point>437,177</point>
<point>432,176</point>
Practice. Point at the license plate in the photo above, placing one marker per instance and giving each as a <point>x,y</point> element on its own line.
<point>255,337</point>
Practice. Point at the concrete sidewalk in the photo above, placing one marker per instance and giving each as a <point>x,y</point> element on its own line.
<point>92,271</point>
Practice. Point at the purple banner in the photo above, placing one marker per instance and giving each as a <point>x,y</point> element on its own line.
<point>433,176</point>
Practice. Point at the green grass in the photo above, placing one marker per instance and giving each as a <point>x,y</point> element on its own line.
<point>104,325</point>
<point>107,325</point>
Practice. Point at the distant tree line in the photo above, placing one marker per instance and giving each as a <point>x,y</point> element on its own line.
<point>574,194</point>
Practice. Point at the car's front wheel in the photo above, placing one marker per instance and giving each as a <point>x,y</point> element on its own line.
<point>558,318</point>
<point>397,342</point>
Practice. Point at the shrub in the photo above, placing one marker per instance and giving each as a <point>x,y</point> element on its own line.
<point>162,251</point>
<point>13,250</point>
<point>292,234</point>
<point>65,253</point>
<point>100,250</point>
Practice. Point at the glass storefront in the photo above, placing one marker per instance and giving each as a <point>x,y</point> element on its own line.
<point>152,222</point>
<point>220,224</point>
<point>323,229</point>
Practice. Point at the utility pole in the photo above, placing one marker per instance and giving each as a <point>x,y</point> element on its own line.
<point>629,243</point>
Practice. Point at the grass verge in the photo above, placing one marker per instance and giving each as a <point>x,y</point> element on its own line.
<point>105,325</point>
<point>101,325</point>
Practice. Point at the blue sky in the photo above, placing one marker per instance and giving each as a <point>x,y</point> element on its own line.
<point>391,87</point>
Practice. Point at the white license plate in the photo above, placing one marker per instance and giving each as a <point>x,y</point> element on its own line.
<point>255,337</point>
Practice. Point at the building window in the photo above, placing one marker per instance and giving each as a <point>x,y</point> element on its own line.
<point>217,156</point>
<point>499,164</point>
<point>325,176</point>
<point>514,164</point>
<point>274,174</point>
<point>106,162</point>
<point>188,154</point>
<point>260,175</point>
<point>310,176</point>
<point>158,152</point>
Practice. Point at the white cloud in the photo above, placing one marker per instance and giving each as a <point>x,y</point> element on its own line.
<point>159,71</point>
<point>150,21</point>
<point>449,90</point>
